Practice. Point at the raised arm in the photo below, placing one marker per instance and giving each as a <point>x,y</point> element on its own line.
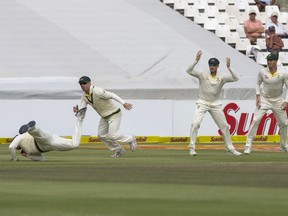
<point>233,74</point>
<point>197,59</point>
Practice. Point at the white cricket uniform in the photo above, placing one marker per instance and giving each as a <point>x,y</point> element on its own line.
<point>102,102</point>
<point>209,90</point>
<point>270,89</point>
<point>35,142</point>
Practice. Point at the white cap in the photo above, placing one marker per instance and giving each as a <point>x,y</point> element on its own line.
<point>252,11</point>
<point>274,14</point>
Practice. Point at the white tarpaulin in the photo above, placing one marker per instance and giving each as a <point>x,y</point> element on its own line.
<point>138,48</point>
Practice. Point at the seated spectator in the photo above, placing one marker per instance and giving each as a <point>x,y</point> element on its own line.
<point>274,43</point>
<point>261,4</point>
<point>253,28</point>
<point>281,31</point>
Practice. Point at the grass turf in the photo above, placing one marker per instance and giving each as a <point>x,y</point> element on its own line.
<point>86,181</point>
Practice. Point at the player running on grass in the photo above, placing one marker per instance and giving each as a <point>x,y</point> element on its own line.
<point>269,89</point>
<point>102,102</point>
<point>210,86</point>
<point>33,142</point>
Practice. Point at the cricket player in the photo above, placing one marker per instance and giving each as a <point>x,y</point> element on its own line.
<point>210,86</point>
<point>102,102</point>
<point>269,89</point>
<point>33,142</point>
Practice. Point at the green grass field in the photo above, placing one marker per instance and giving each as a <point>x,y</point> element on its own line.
<point>87,181</point>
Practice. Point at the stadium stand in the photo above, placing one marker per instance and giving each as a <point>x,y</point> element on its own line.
<point>261,58</point>
<point>190,12</point>
<point>285,41</point>
<point>261,42</point>
<point>139,49</point>
<point>283,57</point>
<point>221,5</point>
<point>242,44</point>
<point>222,31</point>
<point>210,24</point>
<point>225,18</point>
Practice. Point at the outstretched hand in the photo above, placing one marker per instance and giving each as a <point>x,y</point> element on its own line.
<point>75,109</point>
<point>228,62</point>
<point>198,55</point>
<point>127,106</point>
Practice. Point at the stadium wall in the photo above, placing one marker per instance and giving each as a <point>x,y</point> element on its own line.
<point>147,118</point>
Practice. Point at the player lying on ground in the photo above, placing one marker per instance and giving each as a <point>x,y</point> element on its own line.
<point>32,142</point>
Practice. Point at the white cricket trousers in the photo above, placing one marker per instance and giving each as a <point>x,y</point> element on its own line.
<point>219,118</point>
<point>276,106</point>
<point>52,142</point>
<point>108,132</point>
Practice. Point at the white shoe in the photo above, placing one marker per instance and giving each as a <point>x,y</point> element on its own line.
<point>81,113</point>
<point>118,153</point>
<point>284,148</point>
<point>234,152</point>
<point>133,144</point>
<point>192,152</point>
<point>248,149</point>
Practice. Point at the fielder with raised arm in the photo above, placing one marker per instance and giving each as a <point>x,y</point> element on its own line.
<point>269,90</point>
<point>210,86</point>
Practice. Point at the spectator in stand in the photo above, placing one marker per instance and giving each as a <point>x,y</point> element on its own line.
<point>280,30</point>
<point>274,43</point>
<point>253,28</point>
<point>261,4</point>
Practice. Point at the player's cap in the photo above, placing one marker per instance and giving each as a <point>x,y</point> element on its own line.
<point>271,28</point>
<point>213,62</point>
<point>84,80</point>
<point>252,11</point>
<point>272,57</point>
<point>274,14</point>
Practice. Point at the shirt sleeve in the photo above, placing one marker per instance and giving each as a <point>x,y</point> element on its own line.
<point>14,144</point>
<point>234,77</point>
<point>258,83</point>
<point>191,70</point>
<point>286,85</point>
<point>102,93</point>
<point>83,103</point>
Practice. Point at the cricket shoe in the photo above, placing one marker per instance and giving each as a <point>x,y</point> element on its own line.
<point>247,149</point>
<point>27,127</point>
<point>284,148</point>
<point>81,113</point>
<point>192,152</point>
<point>119,153</point>
<point>233,152</point>
<point>133,144</point>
